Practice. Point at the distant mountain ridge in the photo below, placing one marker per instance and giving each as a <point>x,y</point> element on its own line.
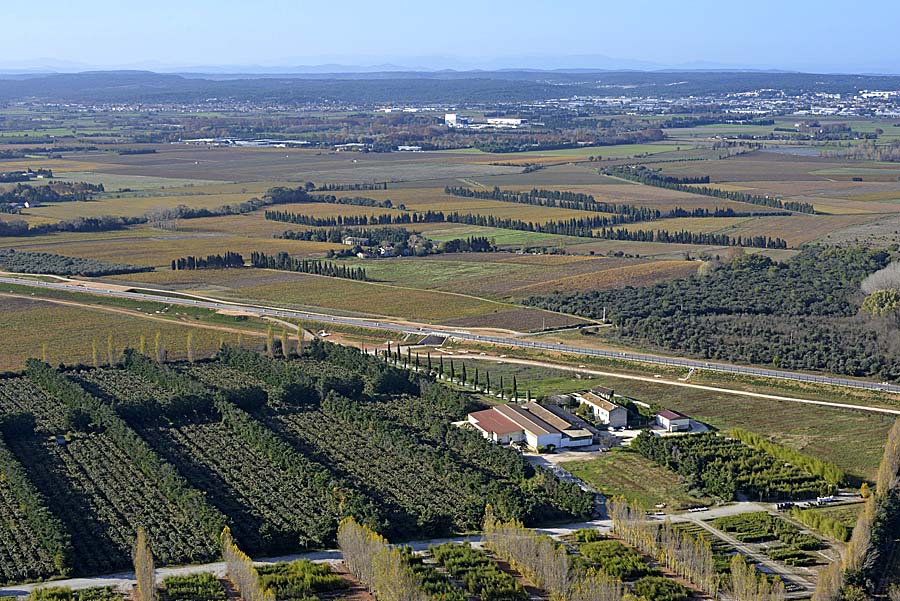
<point>442,87</point>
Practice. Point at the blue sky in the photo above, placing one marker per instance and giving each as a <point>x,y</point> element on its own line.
<point>800,34</point>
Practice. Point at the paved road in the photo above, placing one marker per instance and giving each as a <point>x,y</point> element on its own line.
<point>424,329</point>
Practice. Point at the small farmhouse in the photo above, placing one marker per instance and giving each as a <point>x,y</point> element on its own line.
<point>538,426</point>
<point>672,421</point>
<point>603,408</point>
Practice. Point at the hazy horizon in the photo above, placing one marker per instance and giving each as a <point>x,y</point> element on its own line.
<point>273,35</point>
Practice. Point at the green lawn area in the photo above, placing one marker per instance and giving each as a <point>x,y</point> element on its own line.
<point>624,472</point>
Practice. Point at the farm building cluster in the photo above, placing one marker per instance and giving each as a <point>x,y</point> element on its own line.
<point>551,426</point>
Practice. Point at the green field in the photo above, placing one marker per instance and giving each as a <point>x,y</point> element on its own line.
<point>625,473</point>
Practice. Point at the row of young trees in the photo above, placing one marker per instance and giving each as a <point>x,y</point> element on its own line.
<point>474,379</point>
<point>688,556</point>
<point>229,260</point>
<point>691,557</point>
<point>827,470</point>
<point>543,560</point>
<point>43,524</point>
<point>284,262</point>
<point>380,567</point>
<point>240,570</point>
<point>649,177</point>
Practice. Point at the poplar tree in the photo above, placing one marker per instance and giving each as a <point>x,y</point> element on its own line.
<point>285,347</point>
<point>110,349</point>
<point>270,341</point>
<point>158,347</point>
<point>190,346</point>
<point>144,571</point>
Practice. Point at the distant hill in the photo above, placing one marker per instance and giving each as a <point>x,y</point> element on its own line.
<point>418,87</point>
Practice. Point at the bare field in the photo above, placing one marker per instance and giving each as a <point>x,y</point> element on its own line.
<point>796,229</point>
<point>643,274</point>
<point>133,206</point>
<point>704,225</point>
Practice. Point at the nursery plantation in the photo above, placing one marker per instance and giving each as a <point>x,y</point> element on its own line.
<point>280,450</point>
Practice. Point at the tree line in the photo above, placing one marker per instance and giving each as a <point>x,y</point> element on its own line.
<point>580,227</point>
<point>53,192</point>
<point>649,177</point>
<point>355,220</point>
<point>229,260</point>
<point>687,237</point>
<point>622,213</point>
<point>105,223</point>
<point>284,262</point>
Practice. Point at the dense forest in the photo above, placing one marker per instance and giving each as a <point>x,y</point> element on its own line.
<point>35,262</point>
<point>799,315</point>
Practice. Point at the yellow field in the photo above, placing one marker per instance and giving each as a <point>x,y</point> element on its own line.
<point>134,206</point>
<point>363,298</point>
<point>796,229</point>
<point>159,250</point>
<point>68,332</point>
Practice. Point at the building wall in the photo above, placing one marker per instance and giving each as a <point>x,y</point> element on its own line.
<point>583,442</point>
<point>538,441</point>
<point>618,417</point>
<point>675,425</point>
